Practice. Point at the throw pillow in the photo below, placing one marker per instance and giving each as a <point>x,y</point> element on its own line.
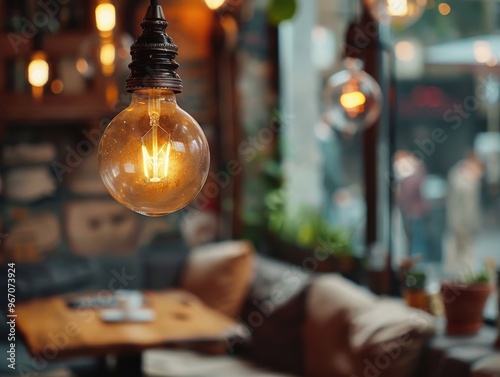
<point>220,275</point>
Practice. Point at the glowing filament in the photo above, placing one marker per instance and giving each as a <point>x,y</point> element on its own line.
<point>156,158</point>
<point>397,7</point>
<point>156,163</point>
<point>352,100</point>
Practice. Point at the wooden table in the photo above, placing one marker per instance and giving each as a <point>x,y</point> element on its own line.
<point>53,330</point>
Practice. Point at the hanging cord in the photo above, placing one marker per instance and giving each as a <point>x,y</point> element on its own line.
<point>154,3</point>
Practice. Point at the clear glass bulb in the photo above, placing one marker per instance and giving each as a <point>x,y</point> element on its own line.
<point>154,157</point>
<point>352,98</point>
<point>398,13</point>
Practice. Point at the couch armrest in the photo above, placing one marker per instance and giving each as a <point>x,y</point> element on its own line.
<point>350,332</point>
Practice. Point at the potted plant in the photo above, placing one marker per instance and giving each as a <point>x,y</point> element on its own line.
<point>464,302</point>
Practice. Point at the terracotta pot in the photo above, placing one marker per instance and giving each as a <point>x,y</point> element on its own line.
<point>464,306</point>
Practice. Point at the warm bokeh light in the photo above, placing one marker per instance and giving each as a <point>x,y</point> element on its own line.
<point>57,86</point>
<point>405,51</point>
<point>107,58</point>
<point>444,9</point>
<point>352,100</point>
<point>82,66</point>
<point>397,7</point>
<point>214,4</point>
<point>108,53</point>
<point>492,62</point>
<point>105,17</point>
<point>38,70</point>
<point>482,51</point>
<point>398,13</point>
<point>153,157</point>
<point>111,93</point>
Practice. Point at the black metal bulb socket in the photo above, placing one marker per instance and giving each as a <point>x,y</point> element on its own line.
<point>153,56</point>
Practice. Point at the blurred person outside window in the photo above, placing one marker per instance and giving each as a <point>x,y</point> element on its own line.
<point>463,213</point>
<point>410,174</point>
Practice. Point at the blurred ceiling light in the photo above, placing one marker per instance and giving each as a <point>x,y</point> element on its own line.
<point>482,52</point>
<point>397,7</point>
<point>444,9</point>
<point>38,70</point>
<point>214,4</point>
<point>398,13</point>
<point>105,17</point>
<point>405,51</point>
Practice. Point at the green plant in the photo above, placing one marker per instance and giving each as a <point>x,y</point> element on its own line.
<point>480,277</point>
<point>307,229</point>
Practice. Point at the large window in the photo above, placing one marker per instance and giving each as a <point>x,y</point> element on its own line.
<point>446,146</point>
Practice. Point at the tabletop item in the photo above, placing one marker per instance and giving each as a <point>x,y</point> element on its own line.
<point>180,317</point>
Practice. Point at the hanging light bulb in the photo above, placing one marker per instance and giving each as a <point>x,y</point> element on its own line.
<point>352,98</point>
<point>398,13</point>
<point>153,156</point>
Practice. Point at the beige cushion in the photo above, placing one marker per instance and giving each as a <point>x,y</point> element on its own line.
<point>220,275</point>
<point>487,367</point>
<point>350,332</point>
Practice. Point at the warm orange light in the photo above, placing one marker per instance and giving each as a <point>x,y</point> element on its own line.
<point>214,4</point>
<point>82,66</point>
<point>482,52</point>
<point>57,86</point>
<point>154,157</point>
<point>397,8</point>
<point>105,17</point>
<point>38,70</point>
<point>444,9</point>
<point>107,57</point>
<point>352,100</point>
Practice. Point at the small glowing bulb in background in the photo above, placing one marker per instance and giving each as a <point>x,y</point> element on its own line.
<point>214,4</point>
<point>107,57</point>
<point>105,17</point>
<point>153,156</point>
<point>352,98</point>
<point>38,70</point>
<point>398,13</point>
